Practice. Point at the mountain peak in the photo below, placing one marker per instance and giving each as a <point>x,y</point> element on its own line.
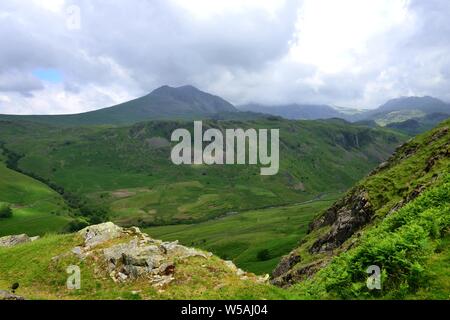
<point>166,89</point>
<point>413,101</point>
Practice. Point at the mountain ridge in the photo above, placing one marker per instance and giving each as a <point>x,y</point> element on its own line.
<point>165,102</point>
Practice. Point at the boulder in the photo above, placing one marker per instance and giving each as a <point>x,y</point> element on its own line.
<point>11,241</point>
<point>136,255</point>
<point>5,295</point>
<point>173,248</point>
<point>97,234</point>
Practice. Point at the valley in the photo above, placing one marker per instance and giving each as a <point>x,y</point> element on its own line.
<point>125,174</point>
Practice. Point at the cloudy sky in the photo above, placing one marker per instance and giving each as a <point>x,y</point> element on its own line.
<point>61,56</point>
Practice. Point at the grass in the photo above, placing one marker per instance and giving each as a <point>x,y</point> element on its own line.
<point>41,277</point>
<point>36,208</point>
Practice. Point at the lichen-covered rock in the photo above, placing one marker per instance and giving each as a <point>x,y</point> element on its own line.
<point>136,255</point>
<point>97,234</point>
<point>5,295</point>
<point>173,248</point>
<point>11,241</point>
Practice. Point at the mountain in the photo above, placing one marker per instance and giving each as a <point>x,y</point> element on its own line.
<point>36,208</point>
<point>406,108</point>
<point>417,125</point>
<point>298,111</point>
<point>396,219</point>
<point>425,104</point>
<point>186,102</point>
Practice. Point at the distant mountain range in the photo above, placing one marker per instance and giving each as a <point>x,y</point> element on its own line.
<point>408,114</point>
<point>299,111</point>
<point>405,108</point>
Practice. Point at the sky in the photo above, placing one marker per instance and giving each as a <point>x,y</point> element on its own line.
<point>59,57</point>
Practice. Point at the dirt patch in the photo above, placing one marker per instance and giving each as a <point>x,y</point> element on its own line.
<point>122,193</point>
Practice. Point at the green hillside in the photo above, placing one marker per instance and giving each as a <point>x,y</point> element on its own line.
<point>36,209</point>
<point>129,171</point>
<point>416,126</point>
<point>398,218</point>
<point>124,174</point>
<point>426,112</point>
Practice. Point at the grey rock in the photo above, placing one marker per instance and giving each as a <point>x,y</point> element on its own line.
<point>345,217</point>
<point>173,248</point>
<point>97,234</point>
<point>140,257</point>
<point>286,263</point>
<point>11,241</point>
<point>5,295</point>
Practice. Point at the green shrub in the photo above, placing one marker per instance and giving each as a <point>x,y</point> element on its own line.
<point>5,210</point>
<point>75,225</point>
<point>263,255</point>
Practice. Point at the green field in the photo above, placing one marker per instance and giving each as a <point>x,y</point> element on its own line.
<point>36,208</point>
<point>241,236</point>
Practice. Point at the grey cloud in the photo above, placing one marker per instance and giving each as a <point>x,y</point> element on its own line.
<point>24,84</point>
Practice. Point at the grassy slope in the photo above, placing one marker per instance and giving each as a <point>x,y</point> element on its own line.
<point>39,277</point>
<point>401,242</point>
<point>240,237</point>
<point>411,248</point>
<point>36,208</point>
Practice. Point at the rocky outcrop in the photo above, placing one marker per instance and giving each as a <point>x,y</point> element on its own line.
<point>127,254</point>
<point>94,235</point>
<point>339,228</point>
<point>295,275</point>
<point>286,263</point>
<point>5,295</point>
<point>14,240</point>
<point>345,217</point>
